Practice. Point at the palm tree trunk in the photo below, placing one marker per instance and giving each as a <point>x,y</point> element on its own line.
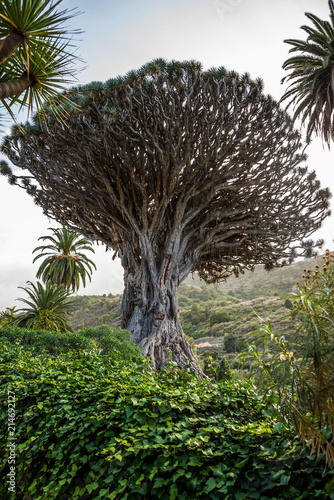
<point>9,45</point>
<point>15,86</point>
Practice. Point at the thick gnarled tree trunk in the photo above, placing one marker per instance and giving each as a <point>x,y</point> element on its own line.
<point>150,310</point>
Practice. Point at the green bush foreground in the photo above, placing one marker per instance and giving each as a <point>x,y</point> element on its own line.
<point>107,339</point>
<point>90,426</point>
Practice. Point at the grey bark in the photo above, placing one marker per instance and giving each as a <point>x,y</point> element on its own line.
<point>150,310</point>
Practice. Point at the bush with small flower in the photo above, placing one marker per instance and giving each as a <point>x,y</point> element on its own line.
<point>299,372</point>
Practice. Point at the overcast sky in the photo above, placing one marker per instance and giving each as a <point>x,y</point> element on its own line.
<point>242,35</point>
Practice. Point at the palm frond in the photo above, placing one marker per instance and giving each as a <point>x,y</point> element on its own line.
<point>64,263</point>
<point>34,18</point>
<point>51,70</point>
<point>48,308</point>
<point>311,89</point>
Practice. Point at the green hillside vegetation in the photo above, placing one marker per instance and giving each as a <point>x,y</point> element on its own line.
<point>93,310</point>
<point>234,307</point>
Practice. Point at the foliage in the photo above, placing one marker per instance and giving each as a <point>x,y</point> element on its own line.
<point>48,308</point>
<point>7,316</point>
<point>36,53</point>
<point>92,310</point>
<point>300,371</point>
<point>232,343</point>
<point>208,107</point>
<point>65,263</point>
<point>39,341</point>
<point>111,342</point>
<point>88,427</point>
<point>219,317</point>
<point>312,76</point>
<point>216,366</point>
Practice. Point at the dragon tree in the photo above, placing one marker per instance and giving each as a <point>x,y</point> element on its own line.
<point>177,170</point>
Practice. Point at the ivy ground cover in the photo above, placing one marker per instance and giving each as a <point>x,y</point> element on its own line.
<point>89,426</point>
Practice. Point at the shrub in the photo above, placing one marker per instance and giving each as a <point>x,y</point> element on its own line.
<point>288,304</point>
<point>112,341</point>
<point>219,317</point>
<point>7,317</point>
<point>217,330</point>
<point>88,428</point>
<point>232,343</point>
<point>300,371</point>
<point>217,367</point>
<point>42,340</point>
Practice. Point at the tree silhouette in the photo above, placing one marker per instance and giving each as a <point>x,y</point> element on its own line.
<point>177,170</point>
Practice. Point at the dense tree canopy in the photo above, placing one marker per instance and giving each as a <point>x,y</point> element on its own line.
<point>177,170</point>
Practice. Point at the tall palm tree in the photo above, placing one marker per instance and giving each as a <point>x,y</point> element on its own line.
<point>36,56</point>
<point>311,91</point>
<point>65,264</point>
<point>48,308</point>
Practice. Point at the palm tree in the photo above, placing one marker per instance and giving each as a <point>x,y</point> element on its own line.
<point>36,56</point>
<point>48,308</point>
<point>65,264</point>
<point>311,91</point>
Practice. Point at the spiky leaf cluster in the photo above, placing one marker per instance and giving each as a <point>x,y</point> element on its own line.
<point>311,73</point>
<point>64,263</point>
<point>36,53</point>
<point>47,308</point>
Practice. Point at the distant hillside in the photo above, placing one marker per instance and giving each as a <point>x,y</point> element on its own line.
<point>234,307</point>
<point>260,283</point>
<point>93,310</point>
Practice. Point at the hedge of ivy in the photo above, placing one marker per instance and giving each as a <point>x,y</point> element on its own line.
<point>93,427</point>
<point>109,340</point>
